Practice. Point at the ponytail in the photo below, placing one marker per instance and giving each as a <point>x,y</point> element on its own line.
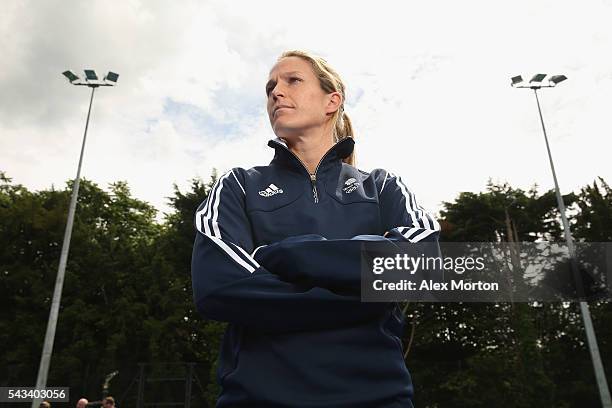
<point>342,130</point>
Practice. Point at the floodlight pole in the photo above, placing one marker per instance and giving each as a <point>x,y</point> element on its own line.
<point>43,369</point>
<point>600,375</point>
<point>566,227</point>
<point>45,359</point>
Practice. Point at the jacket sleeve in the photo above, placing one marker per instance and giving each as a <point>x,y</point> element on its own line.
<point>336,264</point>
<point>230,285</point>
<point>402,217</point>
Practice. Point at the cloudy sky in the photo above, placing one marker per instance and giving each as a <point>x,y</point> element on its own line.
<point>428,89</point>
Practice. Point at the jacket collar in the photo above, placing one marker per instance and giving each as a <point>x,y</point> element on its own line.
<point>334,155</point>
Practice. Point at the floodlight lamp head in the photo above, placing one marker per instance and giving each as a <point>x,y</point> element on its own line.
<point>71,76</point>
<point>555,79</point>
<point>516,80</point>
<point>111,77</point>
<point>537,78</point>
<point>91,75</point>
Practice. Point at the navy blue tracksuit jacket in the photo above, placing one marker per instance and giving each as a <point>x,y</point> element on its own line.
<point>277,255</point>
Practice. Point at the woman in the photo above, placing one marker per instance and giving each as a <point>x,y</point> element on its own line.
<point>277,255</point>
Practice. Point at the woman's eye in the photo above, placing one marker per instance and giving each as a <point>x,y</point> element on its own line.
<point>291,80</point>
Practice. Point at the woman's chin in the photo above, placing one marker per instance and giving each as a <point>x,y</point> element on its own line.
<point>285,132</point>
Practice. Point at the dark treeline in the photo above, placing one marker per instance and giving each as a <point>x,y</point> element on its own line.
<point>127,299</point>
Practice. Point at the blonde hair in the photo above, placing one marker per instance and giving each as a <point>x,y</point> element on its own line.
<point>330,81</point>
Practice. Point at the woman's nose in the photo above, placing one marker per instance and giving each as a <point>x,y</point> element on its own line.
<point>277,91</point>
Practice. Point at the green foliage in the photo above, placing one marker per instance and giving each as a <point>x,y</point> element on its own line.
<point>127,299</point>
<point>594,221</point>
<point>510,355</point>
<point>481,217</point>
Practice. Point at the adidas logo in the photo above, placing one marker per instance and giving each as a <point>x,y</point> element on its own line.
<point>270,191</point>
<point>350,185</point>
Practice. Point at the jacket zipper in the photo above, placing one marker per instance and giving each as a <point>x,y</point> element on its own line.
<point>313,177</point>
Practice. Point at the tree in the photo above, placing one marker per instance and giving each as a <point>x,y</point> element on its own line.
<point>487,354</point>
<point>128,298</point>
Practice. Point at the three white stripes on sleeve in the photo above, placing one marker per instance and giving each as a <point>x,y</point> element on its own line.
<point>207,224</point>
<point>416,213</point>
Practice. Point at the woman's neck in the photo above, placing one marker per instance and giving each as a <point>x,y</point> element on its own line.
<point>310,148</point>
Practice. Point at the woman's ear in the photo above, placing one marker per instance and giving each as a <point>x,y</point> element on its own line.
<point>334,102</point>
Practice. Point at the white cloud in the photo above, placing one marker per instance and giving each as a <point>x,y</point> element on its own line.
<point>428,89</point>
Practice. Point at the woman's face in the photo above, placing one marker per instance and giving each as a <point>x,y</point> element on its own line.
<point>296,102</point>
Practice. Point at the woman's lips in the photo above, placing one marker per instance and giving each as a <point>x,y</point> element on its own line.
<point>280,109</point>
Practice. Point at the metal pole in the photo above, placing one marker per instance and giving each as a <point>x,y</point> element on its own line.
<point>188,385</point>
<point>600,375</point>
<point>141,383</point>
<point>43,368</point>
<point>566,230</point>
